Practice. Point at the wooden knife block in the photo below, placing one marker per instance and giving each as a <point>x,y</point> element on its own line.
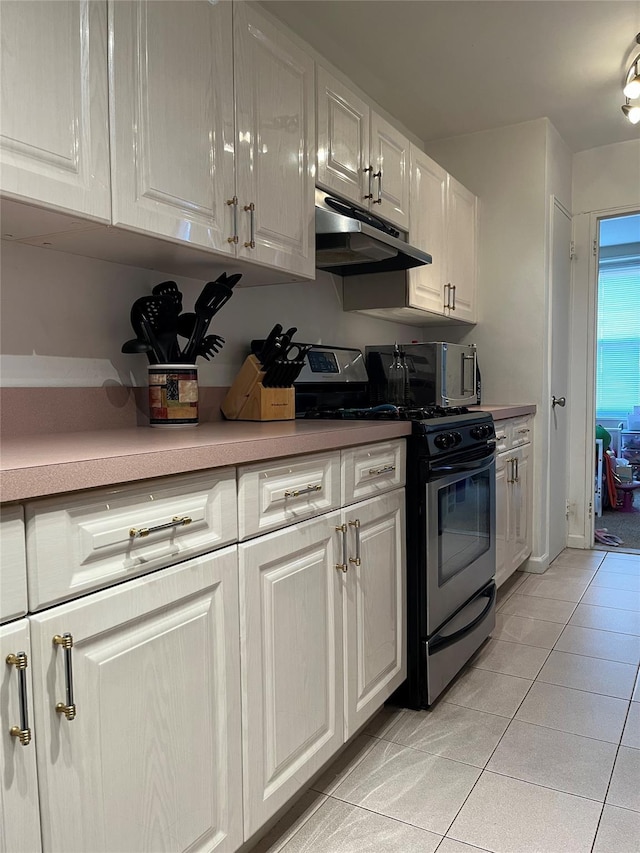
<point>248,400</point>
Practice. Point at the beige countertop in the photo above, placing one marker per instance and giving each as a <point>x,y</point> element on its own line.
<point>503,410</point>
<point>37,465</point>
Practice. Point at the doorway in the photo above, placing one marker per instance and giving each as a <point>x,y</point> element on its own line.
<point>617,383</point>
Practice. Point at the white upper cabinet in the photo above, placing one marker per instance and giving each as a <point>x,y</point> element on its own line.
<point>275,134</point>
<point>343,139</point>
<point>54,142</point>
<point>462,223</point>
<point>361,156</point>
<point>390,176</point>
<point>428,210</point>
<point>172,130</point>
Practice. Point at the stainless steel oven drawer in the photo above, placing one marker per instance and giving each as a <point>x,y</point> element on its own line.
<point>452,646</point>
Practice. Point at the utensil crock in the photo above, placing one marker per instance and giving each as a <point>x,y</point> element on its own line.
<point>173,395</point>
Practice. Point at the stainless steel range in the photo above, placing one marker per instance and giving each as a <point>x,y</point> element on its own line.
<point>451,507</point>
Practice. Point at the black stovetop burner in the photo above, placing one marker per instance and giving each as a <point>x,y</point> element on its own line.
<point>387,412</point>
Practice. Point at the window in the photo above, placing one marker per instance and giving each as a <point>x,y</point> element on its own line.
<point>618,335</point>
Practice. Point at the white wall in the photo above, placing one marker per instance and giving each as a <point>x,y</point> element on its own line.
<point>606,181</point>
<point>65,317</point>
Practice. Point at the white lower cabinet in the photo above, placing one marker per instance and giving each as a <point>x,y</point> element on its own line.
<point>375,606</point>
<point>19,809</point>
<point>292,672</point>
<point>147,755</point>
<point>513,498</point>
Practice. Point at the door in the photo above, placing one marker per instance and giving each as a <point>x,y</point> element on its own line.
<point>275,155</point>
<point>462,218</point>
<point>343,140</point>
<point>292,672</point>
<point>19,812</point>
<point>459,533</point>
<point>560,283</point>
<point>151,761</point>
<point>54,144</point>
<point>172,120</point>
<point>428,200</point>
<point>375,606</point>
<point>390,161</point>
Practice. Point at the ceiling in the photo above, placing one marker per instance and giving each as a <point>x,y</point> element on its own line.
<point>448,67</point>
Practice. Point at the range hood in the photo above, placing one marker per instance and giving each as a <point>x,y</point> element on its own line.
<point>345,246</point>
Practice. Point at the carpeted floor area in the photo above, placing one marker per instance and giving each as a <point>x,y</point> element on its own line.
<point>626,525</point>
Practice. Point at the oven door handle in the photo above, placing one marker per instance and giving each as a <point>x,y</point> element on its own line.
<point>440,643</point>
<point>472,465</point>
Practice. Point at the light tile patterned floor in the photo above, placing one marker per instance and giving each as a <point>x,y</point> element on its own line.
<point>535,748</point>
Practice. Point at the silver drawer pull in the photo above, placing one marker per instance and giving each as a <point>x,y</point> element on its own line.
<point>356,526</point>
<point>523,430</point>
<point>68,709</point>
<point>384,470</point>
<point>177,521</point>
<point>22,732</point>
<point>344,565</point>
<point>297,492</point>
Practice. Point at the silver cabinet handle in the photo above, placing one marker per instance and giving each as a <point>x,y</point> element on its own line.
<point>512,479</point>
<point>384,470</point>
<point>68,709</point>
<point>378,175</point>
<point>558,401</point>
<point>453,307</point>
<point>22,732</point>
<point>466,358</point>
<point>234,202</point>
<point>251,208</point>
<point>524,430</point>
<point>517,474</point>
<point>368,169</point>
<point>344,565</point>
<point>356,526</point>
<point>296,492</point>
<point>177,521</point>
<point>447,294</point>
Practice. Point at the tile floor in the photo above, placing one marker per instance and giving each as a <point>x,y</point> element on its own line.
<point>535,748</point>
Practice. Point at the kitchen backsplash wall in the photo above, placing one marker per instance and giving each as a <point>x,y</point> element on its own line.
<point>65,317</point>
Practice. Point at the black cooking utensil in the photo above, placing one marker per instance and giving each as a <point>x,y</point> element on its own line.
<point>144,330</point>
<point>210,345</point>
<point>214,295</point>
<point>169,290</point>
<point>232,280</point>
<point>163,312</point>
<point>271,347</point>
<point>135,345</point>
<point>186,324</point>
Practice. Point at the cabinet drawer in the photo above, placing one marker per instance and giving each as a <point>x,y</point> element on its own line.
<point>271,495</point>
<point>521,431</point>
<point>13,585</point>
<point>372,469</point>
<point>503,436</point>
<point>83,542</point>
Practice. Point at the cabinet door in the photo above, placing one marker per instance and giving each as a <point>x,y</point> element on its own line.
<point>461,249</point>
<point>291,650</point>
<point>13,560</point>
<point>520,508</point>
<point>503,492</point>
<point>275,157</point>
<point>390,160</point>
<point>172,120</point>
<point>152,760</point>
<point>375,606</point>
<point>54,144</point>
<point>428,200</point>
<point>343,140</point>
<point>19,815</point>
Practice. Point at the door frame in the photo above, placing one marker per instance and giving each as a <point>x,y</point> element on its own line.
<point>582,376</point>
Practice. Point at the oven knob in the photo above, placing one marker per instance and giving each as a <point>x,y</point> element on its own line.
<point>457,437</point>
<point>481,431</point>
<point>444,440</point>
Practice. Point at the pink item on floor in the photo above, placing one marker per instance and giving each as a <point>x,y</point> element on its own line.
<point>605,538</point>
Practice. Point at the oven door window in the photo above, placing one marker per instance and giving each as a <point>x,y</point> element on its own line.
<point>464,523</point>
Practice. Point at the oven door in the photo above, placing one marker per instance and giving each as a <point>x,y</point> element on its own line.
<point>460,548</point>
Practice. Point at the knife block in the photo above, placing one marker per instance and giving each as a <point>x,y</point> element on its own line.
<point>249,400</point>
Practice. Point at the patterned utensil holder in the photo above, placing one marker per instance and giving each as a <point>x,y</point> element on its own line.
<point>173,395</point>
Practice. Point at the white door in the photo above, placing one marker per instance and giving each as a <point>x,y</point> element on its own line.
<point>19,814</point>
<point>275,155</point>
<point>520,508</point>
<point>375,606</point>
<point>172,120</point>
<point>390,161</point>
<point>462,218</point>
<point>560,266</point>
<point>292,674</point>
<point>152,760</point>
<point>54,142</point>
<point>428,200</point>
<point>343,140</point>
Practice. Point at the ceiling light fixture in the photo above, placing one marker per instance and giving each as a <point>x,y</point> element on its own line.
<point>631,89</point>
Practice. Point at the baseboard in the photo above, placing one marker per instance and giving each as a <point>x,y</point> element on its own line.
<point>536,565</point>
